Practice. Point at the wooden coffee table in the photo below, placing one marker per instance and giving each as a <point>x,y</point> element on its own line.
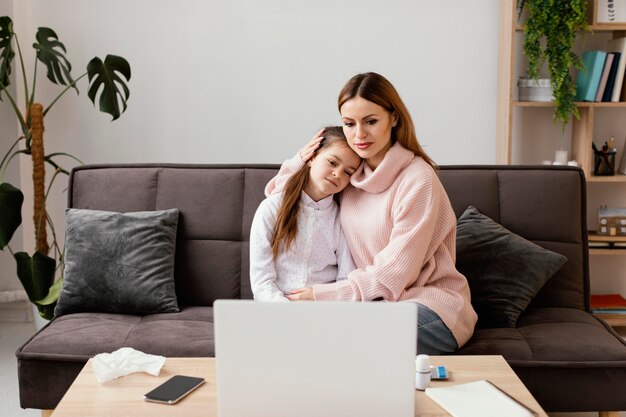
<point>124,396</point>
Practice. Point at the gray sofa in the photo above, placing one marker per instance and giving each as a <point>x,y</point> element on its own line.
<point>568,359</point>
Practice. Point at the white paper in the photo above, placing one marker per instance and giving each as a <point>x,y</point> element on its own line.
<point>124,361</point>
<point>476,399</point>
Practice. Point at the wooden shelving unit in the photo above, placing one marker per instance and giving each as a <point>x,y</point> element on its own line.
<point>604,251</point>
<point>613,320</point>
<point>582,130</point>
<point>578,104</point>
<point>611,178</point>
<point>593,237</point>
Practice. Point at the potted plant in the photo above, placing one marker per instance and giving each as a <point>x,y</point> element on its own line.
<point>38,273</point>
<point>550,30</point>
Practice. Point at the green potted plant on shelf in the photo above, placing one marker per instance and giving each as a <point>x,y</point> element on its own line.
<point>41,273</point>
<point>550,30</point>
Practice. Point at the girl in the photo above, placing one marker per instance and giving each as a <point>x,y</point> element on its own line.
<point>397,219</point>
<point>295,238</point>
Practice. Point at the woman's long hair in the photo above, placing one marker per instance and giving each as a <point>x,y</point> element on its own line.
<point>377,89</point>
<point>287,219</point>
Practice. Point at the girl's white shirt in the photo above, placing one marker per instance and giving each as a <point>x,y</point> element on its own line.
<point>319,254</point>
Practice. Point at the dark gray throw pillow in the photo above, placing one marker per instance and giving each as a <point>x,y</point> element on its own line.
<point>119,262</point>
<point>504,270</point>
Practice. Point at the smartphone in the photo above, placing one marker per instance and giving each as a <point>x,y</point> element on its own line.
<point>174,389</point>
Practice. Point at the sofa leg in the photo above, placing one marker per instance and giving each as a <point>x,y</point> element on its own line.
<point>608,414</point>
<point>48,413</point>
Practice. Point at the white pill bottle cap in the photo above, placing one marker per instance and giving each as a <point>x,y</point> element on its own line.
<point>422,372</point>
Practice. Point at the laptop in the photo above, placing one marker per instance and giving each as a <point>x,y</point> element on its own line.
<point>315,359</point>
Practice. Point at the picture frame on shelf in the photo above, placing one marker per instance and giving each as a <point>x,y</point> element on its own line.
<point>611,11</point>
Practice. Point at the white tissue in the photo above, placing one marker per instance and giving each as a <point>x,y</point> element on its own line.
<point>124,361</point>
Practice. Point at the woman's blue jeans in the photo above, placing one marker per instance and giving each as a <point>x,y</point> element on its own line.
<point>433,336</point>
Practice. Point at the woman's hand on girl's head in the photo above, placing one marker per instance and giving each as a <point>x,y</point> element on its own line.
<point>302,294</point>
<point>309,149</point>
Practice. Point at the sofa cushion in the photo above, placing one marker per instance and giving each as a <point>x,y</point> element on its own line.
<point>54,356</point>
<point>158,334</point>
<point>563,336</point>
<point>559,353</point>
<point>504,270</point>
<point>119,262</point>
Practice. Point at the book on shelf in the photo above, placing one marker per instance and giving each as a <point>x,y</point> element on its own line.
<point>606,303</point>
<point>589,78</point>
<point>612,78</point>
<point>608,64</point>
<point>619,89</point>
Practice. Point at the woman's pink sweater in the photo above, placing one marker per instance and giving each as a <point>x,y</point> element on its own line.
<point>401,231</point>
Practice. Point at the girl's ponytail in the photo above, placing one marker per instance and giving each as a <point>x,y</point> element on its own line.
<point>287,218</point>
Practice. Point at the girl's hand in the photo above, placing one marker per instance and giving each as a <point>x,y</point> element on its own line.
<point>302,294</point>
<point>307,152</point>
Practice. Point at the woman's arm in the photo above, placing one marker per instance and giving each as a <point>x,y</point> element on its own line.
<point>419,228</point>
<point>290,166</point>
<point>287,169</point>
<point>262,268</point>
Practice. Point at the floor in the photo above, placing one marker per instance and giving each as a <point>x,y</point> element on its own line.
<point>14,331</point>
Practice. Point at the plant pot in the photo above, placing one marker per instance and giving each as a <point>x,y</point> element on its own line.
<point>535,90</point>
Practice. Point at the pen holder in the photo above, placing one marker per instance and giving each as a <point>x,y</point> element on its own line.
<point>604,162</point>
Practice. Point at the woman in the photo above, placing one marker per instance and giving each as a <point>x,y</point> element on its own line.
<point>397,219</point>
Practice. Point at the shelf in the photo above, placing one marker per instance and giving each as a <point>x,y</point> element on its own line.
<point>607,178</point>
<point>597,27</point>
<point>620,104</point>
<point>606,251</point>
<point>607,27</point>
<point>613,320</point>
<point>594,237</point>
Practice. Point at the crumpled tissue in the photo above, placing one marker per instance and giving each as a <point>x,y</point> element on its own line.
<point>124,361</point>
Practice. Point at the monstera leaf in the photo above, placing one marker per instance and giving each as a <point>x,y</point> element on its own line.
<point>105,75</point>
<point>6,51</point>
<point>11,200</point>
<point>51,53</point>
<point>53,293</point>
<point>37,276</point>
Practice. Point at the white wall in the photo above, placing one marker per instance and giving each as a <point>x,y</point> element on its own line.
<point>8,134</point>
<point>250,80</point>
<point>227,81</point>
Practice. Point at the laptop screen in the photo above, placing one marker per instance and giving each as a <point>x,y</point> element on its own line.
<point>315,358</point>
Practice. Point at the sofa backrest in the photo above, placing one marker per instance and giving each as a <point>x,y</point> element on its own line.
<point>546,205</point>
<point>217,204</point>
